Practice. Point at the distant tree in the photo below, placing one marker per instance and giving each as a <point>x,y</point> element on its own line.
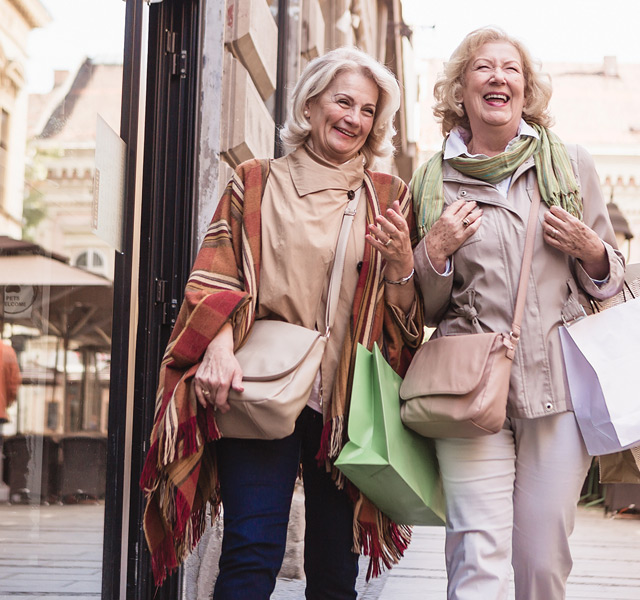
<point>34,209</point>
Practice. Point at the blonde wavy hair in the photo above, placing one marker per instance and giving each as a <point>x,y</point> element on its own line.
<point>316,78</point>
<point>449,110</point>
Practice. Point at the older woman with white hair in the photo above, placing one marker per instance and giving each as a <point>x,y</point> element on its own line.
<point>273,238</point>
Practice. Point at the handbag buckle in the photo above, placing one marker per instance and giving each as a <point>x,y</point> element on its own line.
<point>510,342</point>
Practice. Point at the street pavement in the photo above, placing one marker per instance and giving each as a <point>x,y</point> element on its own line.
<point>55,553</point>
<point>606,552</point>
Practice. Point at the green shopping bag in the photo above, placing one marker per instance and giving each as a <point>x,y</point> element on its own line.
<point>391,465</point>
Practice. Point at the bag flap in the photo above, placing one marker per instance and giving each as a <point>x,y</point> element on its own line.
<point>452,364</point>
<point>275,348</point>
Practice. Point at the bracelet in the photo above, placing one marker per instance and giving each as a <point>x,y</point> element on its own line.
<point>402,281</point>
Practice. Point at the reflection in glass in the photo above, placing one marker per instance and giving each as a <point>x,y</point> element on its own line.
<point>56,293</point>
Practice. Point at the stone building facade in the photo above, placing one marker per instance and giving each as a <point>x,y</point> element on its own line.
<point>61,152</point>
<point>598,107</point>
<point>19,17</point>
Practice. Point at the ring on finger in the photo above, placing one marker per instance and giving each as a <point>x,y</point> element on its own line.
<point>207,393</point>
<point>466,222</point>
<point>388,241</point>
<point>553,233</point>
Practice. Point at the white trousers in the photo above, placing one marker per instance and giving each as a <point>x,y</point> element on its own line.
<point>511,500</point>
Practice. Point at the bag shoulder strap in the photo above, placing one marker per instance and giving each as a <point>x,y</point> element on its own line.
<point>335,282</point>
<point>525,270</point>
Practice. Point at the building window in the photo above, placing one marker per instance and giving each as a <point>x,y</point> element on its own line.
<point>91,260</point>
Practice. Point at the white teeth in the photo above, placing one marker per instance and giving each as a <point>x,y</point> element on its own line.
<point>502,97</point>
<point>346,132</point>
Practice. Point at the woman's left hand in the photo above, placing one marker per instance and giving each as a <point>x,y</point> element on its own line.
<point>571,236</point>
<point>390,236</point>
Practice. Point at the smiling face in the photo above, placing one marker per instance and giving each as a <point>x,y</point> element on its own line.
<point>493,91</point>
<point>342,116</point>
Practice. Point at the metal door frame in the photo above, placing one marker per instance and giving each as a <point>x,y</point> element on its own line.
<point>159,108</point>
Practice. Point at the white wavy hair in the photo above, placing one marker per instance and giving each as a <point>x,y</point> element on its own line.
<point>316,78</point>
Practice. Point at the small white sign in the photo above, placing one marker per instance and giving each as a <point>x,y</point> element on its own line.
<point>108,185</point>
<point>18,301</point>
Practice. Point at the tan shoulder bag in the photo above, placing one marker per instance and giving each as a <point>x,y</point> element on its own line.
<point>280,362</point>
<point>457,386</point>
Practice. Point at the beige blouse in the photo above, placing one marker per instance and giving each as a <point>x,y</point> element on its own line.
<point>302,207</point>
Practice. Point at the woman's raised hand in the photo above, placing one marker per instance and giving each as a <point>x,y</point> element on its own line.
<point>390,236</point>
<point>457,223</point>
<point>571,236</point>
<point>218,372</point>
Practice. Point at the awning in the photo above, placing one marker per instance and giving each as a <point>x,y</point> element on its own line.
<point>34,269</point>
<point>41,290</point>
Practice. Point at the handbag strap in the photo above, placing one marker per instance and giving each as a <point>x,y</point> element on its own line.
<point>525,270</point>
<point>335,282</point>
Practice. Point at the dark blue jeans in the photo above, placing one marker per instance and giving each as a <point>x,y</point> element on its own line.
<point>257,478</point>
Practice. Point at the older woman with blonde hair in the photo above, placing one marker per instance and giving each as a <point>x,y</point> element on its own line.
<point>268,253</point>
<point>511,497</point>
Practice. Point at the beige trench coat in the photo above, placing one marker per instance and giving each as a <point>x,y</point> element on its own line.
<point>485,272</point>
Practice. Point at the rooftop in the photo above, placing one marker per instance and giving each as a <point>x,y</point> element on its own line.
<point>67,114</point>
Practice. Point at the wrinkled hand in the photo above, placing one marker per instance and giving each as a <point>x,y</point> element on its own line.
<point>571,236</point>
<point>390,236</point>
<point>218,372</point>
<point>458,222</point>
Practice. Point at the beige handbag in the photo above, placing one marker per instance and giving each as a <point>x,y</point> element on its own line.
<point>457,386</point>
<point>280,362</point>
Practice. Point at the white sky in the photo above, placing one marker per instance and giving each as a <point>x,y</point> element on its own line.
<point>79,28</point>
<point>553,30</point>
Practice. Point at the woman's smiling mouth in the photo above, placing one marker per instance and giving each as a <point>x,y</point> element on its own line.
<point>499,98</point>
<point>345,132</point>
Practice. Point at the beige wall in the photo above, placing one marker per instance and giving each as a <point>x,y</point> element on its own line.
<point>18,18</point>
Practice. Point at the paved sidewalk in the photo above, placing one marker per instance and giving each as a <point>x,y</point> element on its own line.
<point>51,552</point>
<point>606,554</point>
<point>40,560</point>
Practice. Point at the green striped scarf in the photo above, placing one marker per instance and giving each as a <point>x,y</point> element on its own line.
<point>556,180</point>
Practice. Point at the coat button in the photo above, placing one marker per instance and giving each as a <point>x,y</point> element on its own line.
<point>548,406</point>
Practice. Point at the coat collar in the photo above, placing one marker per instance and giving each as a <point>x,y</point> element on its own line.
<point>310,173</point>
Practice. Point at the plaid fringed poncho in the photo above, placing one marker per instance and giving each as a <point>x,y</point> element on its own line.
<point>179,475</point>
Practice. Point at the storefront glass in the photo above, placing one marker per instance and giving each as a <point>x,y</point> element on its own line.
<point>60,74</point>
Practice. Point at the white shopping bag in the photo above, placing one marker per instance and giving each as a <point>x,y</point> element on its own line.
<point>602,360</point>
